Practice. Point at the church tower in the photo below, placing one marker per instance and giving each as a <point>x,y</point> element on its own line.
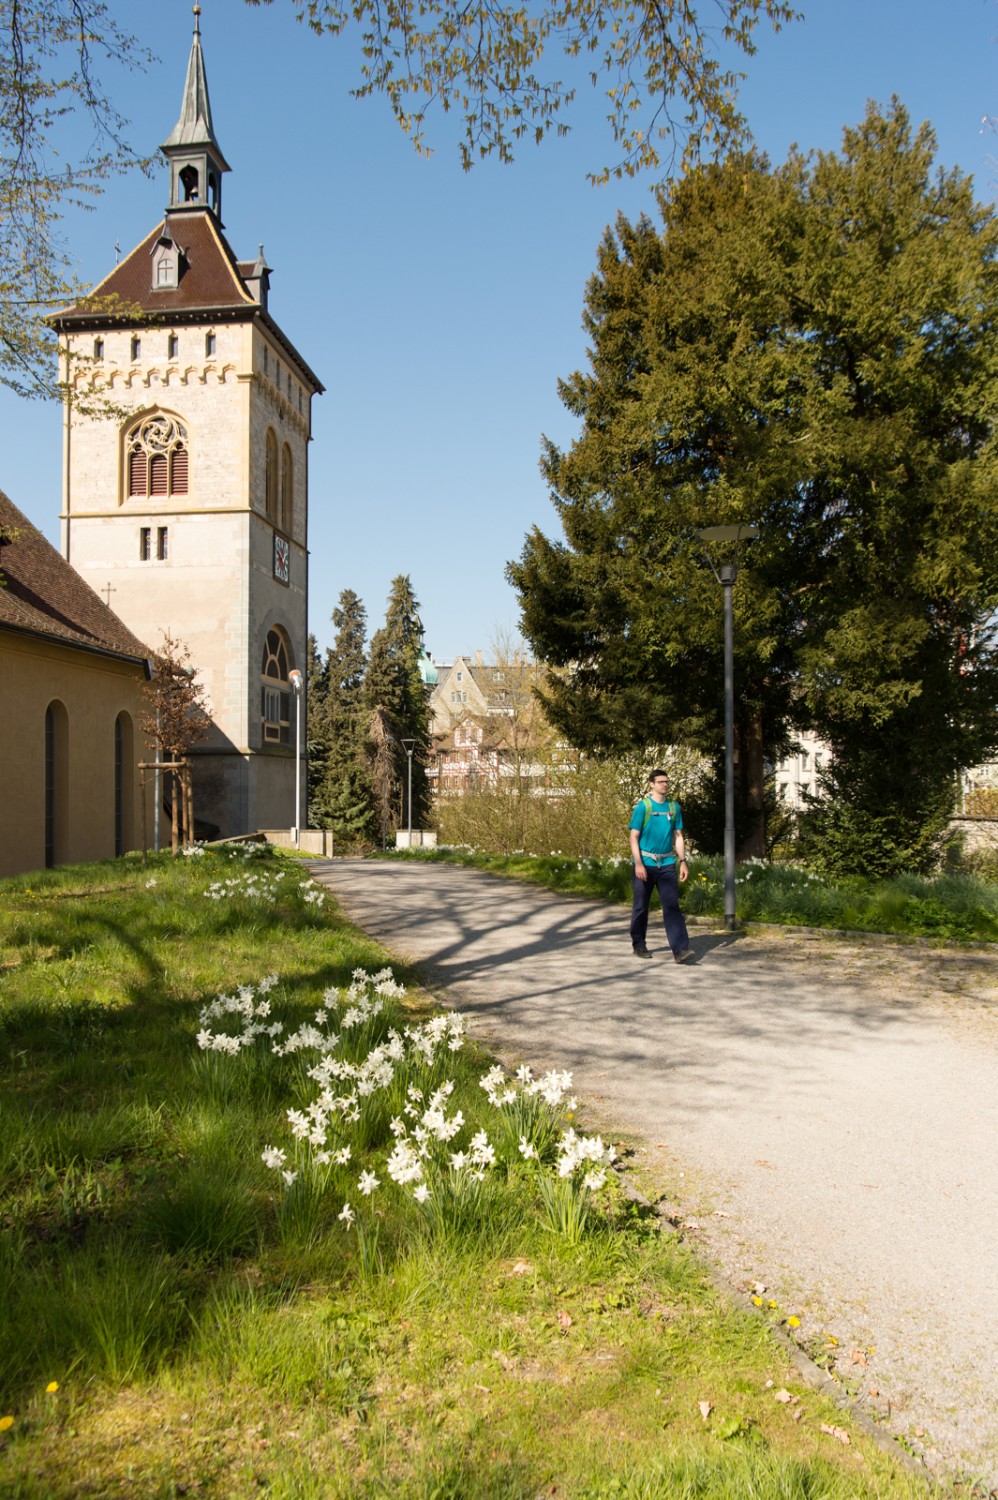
<point>187,508</point>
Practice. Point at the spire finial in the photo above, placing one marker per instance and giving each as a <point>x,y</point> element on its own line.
<point>197,20</point>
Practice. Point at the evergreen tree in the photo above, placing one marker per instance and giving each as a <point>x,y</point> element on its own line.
<point>809,349</point>
<point>345,796</point>
<point>316,731</point>
<point>394,689</point>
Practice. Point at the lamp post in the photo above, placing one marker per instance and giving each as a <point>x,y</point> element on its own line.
<point>726,578</point>
<point>408,746</point>
<point>297,685</point>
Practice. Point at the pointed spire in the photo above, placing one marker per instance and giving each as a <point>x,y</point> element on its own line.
<point>194,127</point>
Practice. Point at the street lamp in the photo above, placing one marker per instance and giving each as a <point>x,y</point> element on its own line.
<point>726,578</point>
<point>408,746</point>
<point>297,686</point>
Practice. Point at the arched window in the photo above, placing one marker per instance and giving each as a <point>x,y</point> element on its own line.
<point>156,458</point>
<point>190,184</point>
<point>275,689</point>
<point>270,475</point>
<point>287,490</point>
<point>56,784</point>
<point>123,802</point>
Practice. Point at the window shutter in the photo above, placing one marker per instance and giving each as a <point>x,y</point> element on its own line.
<point>178,476</point>
<point>157,474</point>
<point>137,474</point>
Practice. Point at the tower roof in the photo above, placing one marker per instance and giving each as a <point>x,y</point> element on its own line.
<point>194,127</point>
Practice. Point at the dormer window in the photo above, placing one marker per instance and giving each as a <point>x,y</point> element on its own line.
<point>165,265</point>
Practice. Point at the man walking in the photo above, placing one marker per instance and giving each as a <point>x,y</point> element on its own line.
<point>656,830</point>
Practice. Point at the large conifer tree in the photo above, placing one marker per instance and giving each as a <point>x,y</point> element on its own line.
<point>346,796</point>
<point>394,689</point>
<point>811,350</point>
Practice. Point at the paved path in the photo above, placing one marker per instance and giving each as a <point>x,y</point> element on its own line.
<point>826,1112</point>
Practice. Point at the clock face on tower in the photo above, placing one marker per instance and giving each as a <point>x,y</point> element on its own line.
<point>282,560</point>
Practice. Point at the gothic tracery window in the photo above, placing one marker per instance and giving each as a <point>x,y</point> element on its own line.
<point>156,458</point>
<point>275,689</point>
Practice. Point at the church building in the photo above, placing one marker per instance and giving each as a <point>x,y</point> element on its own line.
<point>187,509</point>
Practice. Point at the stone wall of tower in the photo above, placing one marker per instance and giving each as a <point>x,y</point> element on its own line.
<point>216,588</point>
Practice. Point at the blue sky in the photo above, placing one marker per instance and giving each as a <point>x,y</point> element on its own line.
<point>439,307</point>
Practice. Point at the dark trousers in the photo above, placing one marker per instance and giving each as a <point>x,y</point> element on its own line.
<point>664,879</point>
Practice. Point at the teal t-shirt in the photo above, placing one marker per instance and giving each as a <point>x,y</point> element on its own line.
<point>656,840</point>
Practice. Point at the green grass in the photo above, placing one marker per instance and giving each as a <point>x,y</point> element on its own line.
<point>209,1332</point>
<point>960,908</point>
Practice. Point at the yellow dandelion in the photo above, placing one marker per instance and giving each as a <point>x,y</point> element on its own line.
<point>757,1301</point>
<point>793,1322</point>
<point>5,1423</point>
<point>53,1385</point>
<point>771,1302</point>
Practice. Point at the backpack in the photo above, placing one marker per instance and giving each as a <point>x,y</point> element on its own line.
<point>672,806</point>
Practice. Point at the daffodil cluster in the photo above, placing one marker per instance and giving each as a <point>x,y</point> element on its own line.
<point>427,1156</point>
<point>250,1007</point>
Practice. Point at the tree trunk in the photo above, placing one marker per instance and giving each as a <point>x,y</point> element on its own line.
<point>753,845</point>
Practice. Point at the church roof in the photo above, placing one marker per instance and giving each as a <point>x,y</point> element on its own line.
<point>41,594</point>
<point>211,279</point>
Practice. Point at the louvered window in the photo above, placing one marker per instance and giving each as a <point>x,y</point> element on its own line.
<point>157,458</point>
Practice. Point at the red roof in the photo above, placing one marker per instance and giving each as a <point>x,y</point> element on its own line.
<point>210,278</point>
<point>42,594</point>
<point>211,282</point>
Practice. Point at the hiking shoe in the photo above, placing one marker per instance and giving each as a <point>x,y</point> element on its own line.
<point>683,956</point>
<point>641,952</point>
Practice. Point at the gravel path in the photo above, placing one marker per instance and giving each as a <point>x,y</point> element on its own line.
<point>824,1113</point>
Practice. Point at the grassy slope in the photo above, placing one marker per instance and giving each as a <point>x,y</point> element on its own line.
<point>963,908</point>
<point>209,1335</point>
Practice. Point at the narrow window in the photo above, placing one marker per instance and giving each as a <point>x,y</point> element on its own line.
<point>209,345</point>
<point>162,543</point>
<point>136,349</point>
<point>119,779</point>
<point>145,544</point>
<point>98,348</point>
<point>56,784</point>
<point>287,489</point>
<point>266,358</point>
<point>459,676</point>
<point>172,346</point>
<point>49,788</point>
<point>270,475</point>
